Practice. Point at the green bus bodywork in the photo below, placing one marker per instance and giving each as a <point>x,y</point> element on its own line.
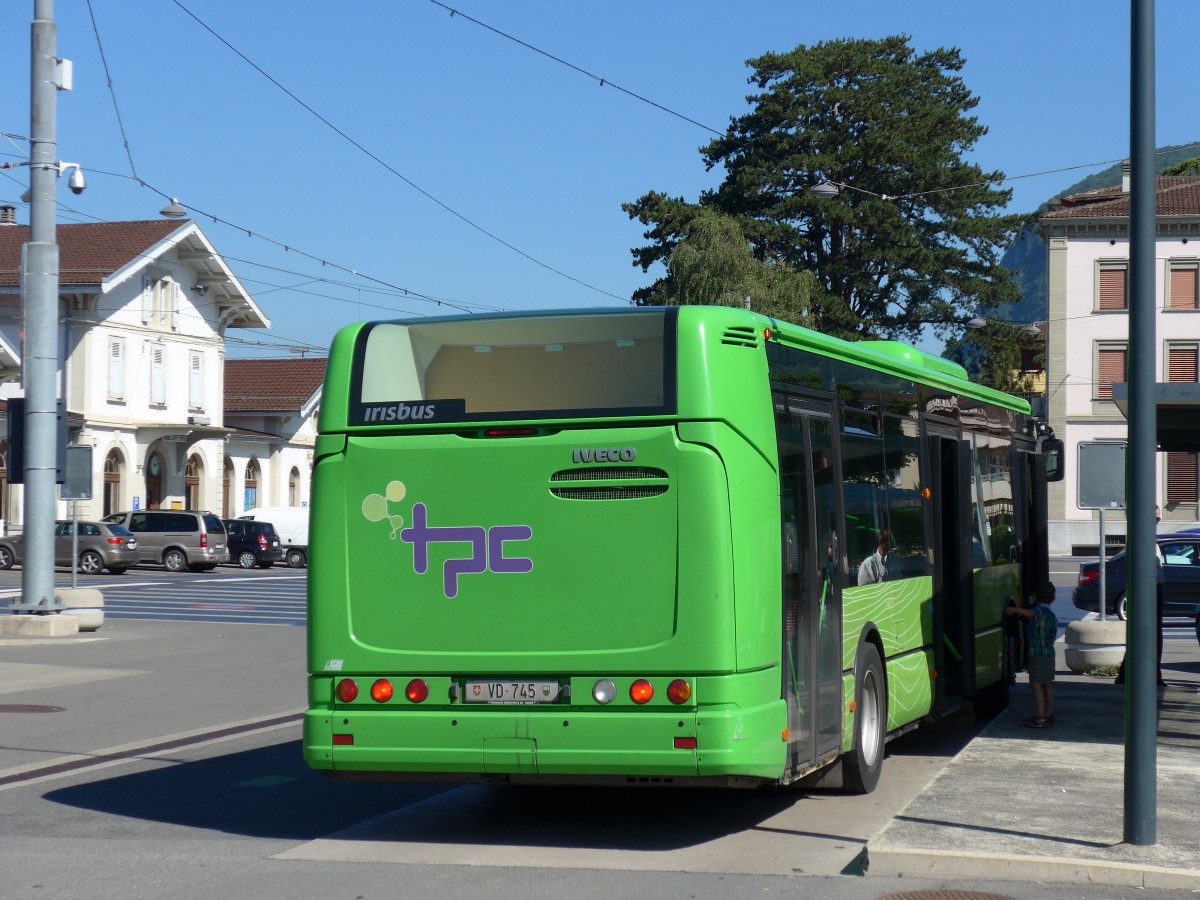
<point>500,544</point>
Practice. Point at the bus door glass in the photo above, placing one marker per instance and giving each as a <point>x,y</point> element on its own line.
<point>811,654</point>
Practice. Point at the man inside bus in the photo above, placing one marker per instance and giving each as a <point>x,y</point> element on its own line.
<point>880,565</point>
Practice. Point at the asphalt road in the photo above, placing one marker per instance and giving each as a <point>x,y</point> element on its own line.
<point>160,758</point>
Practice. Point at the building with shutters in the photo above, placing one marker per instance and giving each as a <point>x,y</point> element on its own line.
<point>1088,339</point>
<point>144,308</point>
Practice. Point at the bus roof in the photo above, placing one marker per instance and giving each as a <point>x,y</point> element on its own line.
<point>893,357</point>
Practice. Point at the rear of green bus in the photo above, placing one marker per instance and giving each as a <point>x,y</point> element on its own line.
<point>522,564</point>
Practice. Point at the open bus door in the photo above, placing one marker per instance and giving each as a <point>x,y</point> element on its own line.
<point>953,584</point>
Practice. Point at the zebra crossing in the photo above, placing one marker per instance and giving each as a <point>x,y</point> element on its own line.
<point>252,599</point>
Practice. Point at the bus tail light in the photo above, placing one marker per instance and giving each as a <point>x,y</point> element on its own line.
<point>685,743</point>
<point>343,740</point>
<point>641,691</point>
<point>346,690</point>
<point>679,691</point>
<point>381,691</point>
<point>416,691</point>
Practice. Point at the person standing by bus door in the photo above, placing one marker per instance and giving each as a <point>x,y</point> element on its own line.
<point>1042,659</point>
<point>1162,577</point>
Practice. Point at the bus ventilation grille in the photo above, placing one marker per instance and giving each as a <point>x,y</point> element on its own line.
<point>740,336</point>
<point>608,473</point>
<point>610,491</point>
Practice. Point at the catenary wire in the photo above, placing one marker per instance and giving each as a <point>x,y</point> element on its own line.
<point>391,169</point>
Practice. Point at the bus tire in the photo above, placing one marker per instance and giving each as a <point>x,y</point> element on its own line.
<point>863,765</point>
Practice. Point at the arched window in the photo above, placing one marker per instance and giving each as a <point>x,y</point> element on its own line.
<point>294,487</point>
<point>114,465</point>
<point>227,504</point>
<point>154,474</point>
<point>193,476</point>
<point>250,496</point>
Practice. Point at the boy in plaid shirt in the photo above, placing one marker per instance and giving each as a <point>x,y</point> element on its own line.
<point>1042,632</point>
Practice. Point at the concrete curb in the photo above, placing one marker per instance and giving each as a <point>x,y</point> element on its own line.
<point>896,863</point>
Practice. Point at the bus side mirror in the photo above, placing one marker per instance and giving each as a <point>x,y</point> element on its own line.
<point>1053,451</point>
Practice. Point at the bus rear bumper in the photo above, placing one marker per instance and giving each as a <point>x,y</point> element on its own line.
<point>563,745</point>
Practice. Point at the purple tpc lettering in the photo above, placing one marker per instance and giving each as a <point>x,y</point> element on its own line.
<point>497,535</point>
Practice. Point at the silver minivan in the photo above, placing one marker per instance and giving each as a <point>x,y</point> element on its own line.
<point>177,538</point>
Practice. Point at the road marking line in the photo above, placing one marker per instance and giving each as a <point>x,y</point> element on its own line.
<point>115,756</point>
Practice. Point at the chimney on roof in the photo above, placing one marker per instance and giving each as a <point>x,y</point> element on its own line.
<point>1125,177</point>
<point>8,215</point>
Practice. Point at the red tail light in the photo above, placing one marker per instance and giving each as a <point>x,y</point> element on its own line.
<point>204,540</point>
<point>416,691</point>
<point>381,691</point>
<point>262,541</point>
<point>641,691</point>
<point>116,540</point>
<point>1089,577</point>
<point>346,690</point>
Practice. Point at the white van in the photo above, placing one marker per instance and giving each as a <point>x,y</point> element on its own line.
<point>291,523</point>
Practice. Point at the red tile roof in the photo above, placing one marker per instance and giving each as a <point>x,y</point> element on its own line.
<point>267,385</point>
<point>87,253</point>
<point>1177,195</point>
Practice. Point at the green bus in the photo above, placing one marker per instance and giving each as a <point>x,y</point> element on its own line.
<point>625,546</point>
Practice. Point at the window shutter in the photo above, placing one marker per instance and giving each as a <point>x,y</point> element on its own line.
<point>1113,291</point>
<point>158,388</point>
<point>1183,287</point>
<point>147,299</point>
<point>196,384</point>
<point>1181,367</point>
<point>116,369</point>
<point>1181,477</point>
<point>1112,371</point>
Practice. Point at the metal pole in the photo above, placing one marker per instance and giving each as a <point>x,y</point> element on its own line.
<point>74,544</point>
<point>1103,563</point>
<point>1141,671</point>
<point>39,358</point>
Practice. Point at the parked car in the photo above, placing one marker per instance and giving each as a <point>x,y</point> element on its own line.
<point>100,546</point>
<point>291,523</point>
<point>177,538</point>
<point>252,543</point>
<point>1181,590</point>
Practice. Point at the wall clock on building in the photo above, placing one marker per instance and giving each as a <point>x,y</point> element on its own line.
<point>154,465</point>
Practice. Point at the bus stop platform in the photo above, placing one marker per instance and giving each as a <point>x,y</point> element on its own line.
<point>1047,805</point>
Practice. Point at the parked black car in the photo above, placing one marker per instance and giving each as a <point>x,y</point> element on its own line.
<point>1181,591</point>
<point>253,543</point>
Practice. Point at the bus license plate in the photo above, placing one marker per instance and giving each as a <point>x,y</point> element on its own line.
<point>511,692</point>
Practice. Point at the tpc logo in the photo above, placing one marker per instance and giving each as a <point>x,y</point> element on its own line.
<point>487,544</point>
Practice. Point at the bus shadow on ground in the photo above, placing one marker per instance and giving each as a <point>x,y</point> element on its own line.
<point>269,793</point>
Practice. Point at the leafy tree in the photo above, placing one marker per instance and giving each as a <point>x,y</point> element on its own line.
<point>714,264</point>
<point>1187,167</point>
<point>992,355</point>
<point>914,235</point>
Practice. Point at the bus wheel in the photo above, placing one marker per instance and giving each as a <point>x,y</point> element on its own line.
<point>864,763</point>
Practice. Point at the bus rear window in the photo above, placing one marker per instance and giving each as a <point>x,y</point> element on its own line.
<point>481,368</point>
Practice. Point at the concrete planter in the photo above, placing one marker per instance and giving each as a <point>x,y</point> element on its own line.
<point>1092,644</point>
<point>84,604</point>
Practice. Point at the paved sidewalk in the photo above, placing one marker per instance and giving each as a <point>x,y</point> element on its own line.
<point>1048,805</point>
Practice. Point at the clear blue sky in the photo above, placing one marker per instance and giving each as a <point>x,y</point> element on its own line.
<point>526,149</point>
